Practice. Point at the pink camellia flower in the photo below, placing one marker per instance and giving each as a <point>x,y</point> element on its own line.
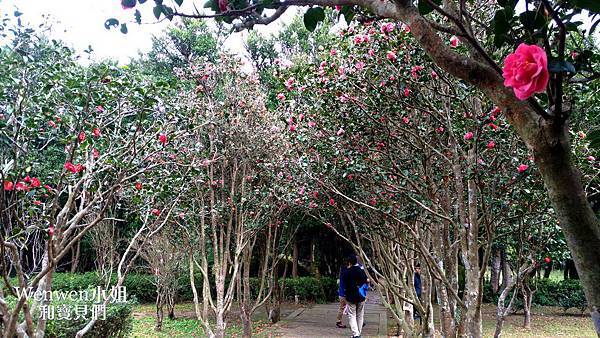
<point>526,71</point>
<point>96,132</point>
<point>522,168</point>
<point>35,183</point>
<point>491,145</point>
<point>414,71</point>
<point>373,201</point>
<point>371,52</point>
<point>315,194</point>
<point>162,138</point>
<point>289,84</point>
<point>581,134</point>
<point>574,54</point>
<point>281,96</point>
<point>387,27</point>
<point>51,230</point>
<point>100,109</point>
<point>360,65</point>
<point>454,41</point>
<point>311,124</point>
<point>591,158</point>
<point>405,120</point>
<point>332,202</point>
<point>21,186</point>
<point>27,179</point>
<point>8,185</point>
<point>36,202</point>
<point>155,212</point>
<point>405,28</point>
<point>300,117</point>
<point>81,136</point>
<point>392,78</point>
<point>95,153</point>
<point>406,92</point>
<point>338,8</point>
<point>468,136</point>
<point>391,55</point>
<point>340,132</point>
<point>439,130</point>
<point>293,127</point>
<point>434,74</point>
<point>70,167</point>
<point>312,205</point>
<point>332,52</point>
<point>52,124</point>
<point>493,126</point>
<point>301,191</point>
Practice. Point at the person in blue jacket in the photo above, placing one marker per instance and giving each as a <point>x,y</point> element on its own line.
<point>342,297</point>
<point>354,278</point>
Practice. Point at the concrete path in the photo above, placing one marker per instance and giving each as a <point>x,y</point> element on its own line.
<point>318,321</point>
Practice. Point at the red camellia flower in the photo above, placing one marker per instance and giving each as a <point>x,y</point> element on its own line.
<point>468,136</point>
<point>547,260</point>
<point>292,127</point>
<point>81,136</point>
<point>51,230</point>
<point>281,96</point>
<point>162,138</point>
<point>405,120</point>
<point>138,186</point>
<point>491,145</point>
<point>35,183</point>
<point>223,5</point>
<point>155,212</point>
<point>526,71</point>
<point>95,153</point>
<point>96,132</point>
<point>21,186</point>
<point>332,202</point>
<point>36,202</point>
<point>74,168</point>
<point>454,41</point>
<point>391,55</point>
<point>52,124</point>
<point>27,179</point>
<point>522,168</point>
<point>8,185</point>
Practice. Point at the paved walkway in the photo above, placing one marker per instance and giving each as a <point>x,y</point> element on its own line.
<point>318,321</point>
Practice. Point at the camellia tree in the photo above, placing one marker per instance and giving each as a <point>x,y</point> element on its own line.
<point>468,40</point>
<point>74,141</point>
<point>416,167</point>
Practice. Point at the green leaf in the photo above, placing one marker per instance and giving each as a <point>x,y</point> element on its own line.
<point>312,17</point>
<point>594,138</point>
<point>124,28</point>
<point>128,3</point>
<point>157,10</point>
<point>500,23</point>
<point>179,2</point>
<point>424,7</point>
<point>18,14</point>
<point>110,23</point>
<point>556,66</point>
<point>138,17</point>
<point>532,20</point>
<point>591,5</point>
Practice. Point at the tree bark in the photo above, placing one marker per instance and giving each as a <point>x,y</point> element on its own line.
<point>295,260</point>
<point>495,271</point>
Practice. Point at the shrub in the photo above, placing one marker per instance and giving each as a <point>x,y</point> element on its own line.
<point>118,322</point>
<point>566,294</point>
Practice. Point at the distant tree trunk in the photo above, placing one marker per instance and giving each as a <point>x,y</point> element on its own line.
<point>506,270</point>
<point>75,257</point>
<point>495,271</point>
<point>313,264</point>
<point>528,292</point>
<point>570,270</point>
<point>295,259</point>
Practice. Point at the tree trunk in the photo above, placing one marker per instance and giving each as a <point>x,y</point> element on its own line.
<point>506,270</point>
<point>577,220</point>
<point>220,325</point>
<point>313,263</point>
<point>75,257</point>
<point>295,259</point>
<point>495,271</point>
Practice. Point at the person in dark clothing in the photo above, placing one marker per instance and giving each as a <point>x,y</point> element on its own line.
<point>353,279</point>
<point>417,282</point>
